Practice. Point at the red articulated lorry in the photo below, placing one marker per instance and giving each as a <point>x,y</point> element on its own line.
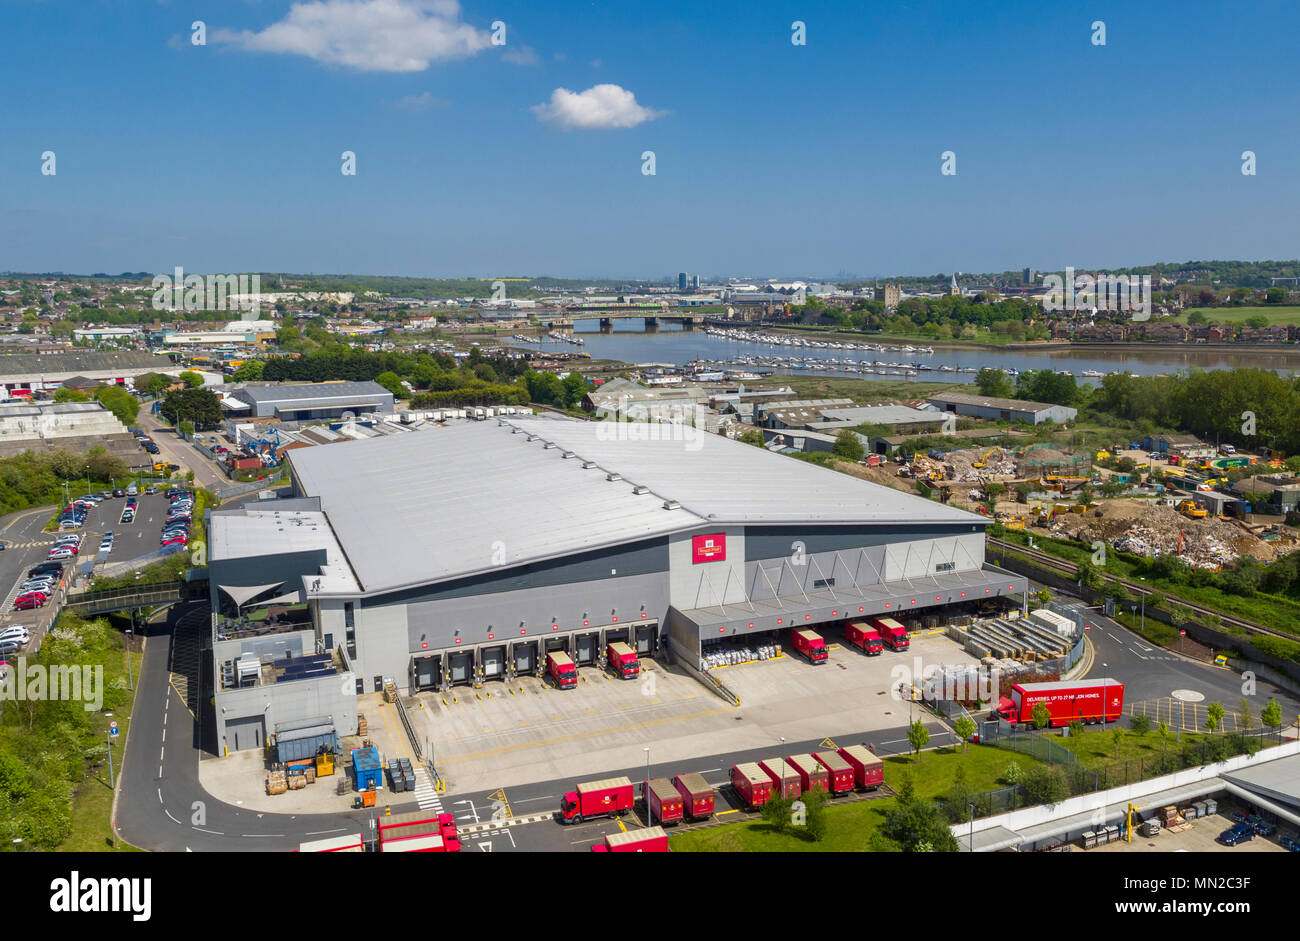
<point>863,636</point>
<point>812,773</point>
<point>810,644</point>
<point>649,840</point>
<point>622,659</point>
<point>612,797</point>
<point>777,769</point>
<point>752,784</point>
<point>868,769</point>
<point>839,771</point>
<point>663,803</point>
<point>892,633</point>
<point>696,794</point>
<point>560,666</point>
<point>1065,701</point>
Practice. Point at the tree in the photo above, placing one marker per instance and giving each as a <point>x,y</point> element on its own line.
<point>1244,714</point>
<point>1196,318</point>
<point>1076,727</point>
<point>1045,784</point>
<point>191,379</point>
<point>1140,724</point>
<point>393,383</point>
<point>965,728</point>
<point>1271,715</point>
<point>1116,740</point>
<point>1040,715</point>
<point>201,406</point>
<point>65,394</point>
<point>1044,596</point>
<point>1213,716</point>
<point>752,436</point>
<point>916,824</point>
<point>124,406</point>
<point>1012,773</point>
<point>250,370</point>
<point>848,446</point>
<point>1258,322</point>
<point>1162,730</point>
<point>918,736</point>
<point>152,383</point>
<point>994,383</point>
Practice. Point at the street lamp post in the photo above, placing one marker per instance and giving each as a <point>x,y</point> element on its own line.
<point>970,846</point>
<point>646,790</point>
<point>783,767</point>
<point>1103,695</point>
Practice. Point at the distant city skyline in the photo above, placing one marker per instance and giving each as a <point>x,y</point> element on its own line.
<point>629,140</point>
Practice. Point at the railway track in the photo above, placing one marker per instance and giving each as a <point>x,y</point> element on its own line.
<point>1056,563</point>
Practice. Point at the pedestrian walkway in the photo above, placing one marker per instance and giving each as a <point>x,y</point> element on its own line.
<point>425,791</point>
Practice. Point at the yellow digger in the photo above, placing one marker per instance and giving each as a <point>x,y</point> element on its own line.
<point>1189,509</point>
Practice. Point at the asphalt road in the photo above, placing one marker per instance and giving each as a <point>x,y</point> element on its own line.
<point>176,450</point>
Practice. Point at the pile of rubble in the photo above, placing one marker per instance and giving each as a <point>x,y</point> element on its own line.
<point>1148,530</point>
<point>961,465</point>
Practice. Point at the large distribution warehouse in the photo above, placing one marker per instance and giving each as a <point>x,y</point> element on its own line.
<point>466,552</point>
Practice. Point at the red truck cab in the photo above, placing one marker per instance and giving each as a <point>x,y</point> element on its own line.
<point>893,634</point>
<point>560,666</point>
<point>810,644</point>
<point>611,797</point>
<point>623,660</point>
<point>863,636</point>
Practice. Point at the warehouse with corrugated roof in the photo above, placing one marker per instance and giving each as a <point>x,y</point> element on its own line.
<point>465,553</point>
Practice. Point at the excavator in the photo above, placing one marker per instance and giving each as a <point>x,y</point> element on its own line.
<point>983,461</point>
<point>1189,509</point>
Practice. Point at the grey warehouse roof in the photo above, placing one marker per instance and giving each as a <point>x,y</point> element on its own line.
<point>290,392</point>
<point>23,365</point>
<point>448,502</point>
<point>988,401</point>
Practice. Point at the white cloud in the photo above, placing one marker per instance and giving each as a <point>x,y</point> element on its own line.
<point>601,106</point>
<point>422,102</point>
<point>368,35</point>
<point>521,55</point>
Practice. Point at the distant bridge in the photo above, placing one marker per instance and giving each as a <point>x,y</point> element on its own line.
<point>687,317</point>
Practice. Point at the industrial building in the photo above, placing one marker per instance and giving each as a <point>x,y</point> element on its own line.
<point>999,409</point>
<point>32,372</point>
<point>463,554</point>
<point>309,401</point>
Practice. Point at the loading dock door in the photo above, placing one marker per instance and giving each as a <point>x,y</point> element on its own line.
<point>494,662</point>
<point>458,666</point>
<point>585,648</point>
<point>645,640</point>
<point>557,643</point>
<point>524,654</point>
<point>428,672</point>
<point>615,634</point>
<point>243,734</point>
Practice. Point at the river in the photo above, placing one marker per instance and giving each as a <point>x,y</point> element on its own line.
<point>674,345</point>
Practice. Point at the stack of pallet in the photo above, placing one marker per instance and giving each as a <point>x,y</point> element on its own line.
<point>1172,819</point>
<point>362,727</point>
<point>276,783</point>
<point>390,691</point>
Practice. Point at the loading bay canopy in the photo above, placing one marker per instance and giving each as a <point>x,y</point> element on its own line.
<point>901,597</point>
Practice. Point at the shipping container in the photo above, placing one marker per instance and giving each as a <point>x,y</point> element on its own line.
<point>862,635</point>
<point>1066,702</point>
<point>810,644</point>
<point>778,769</point>
<point>663,803</point>
<point>868,769</point>
<point>839,771</point>
<point>812,773</point>
<point>610,797</point>
<point>649,840</point>
<point>751,784</point>
<point>696,794</point>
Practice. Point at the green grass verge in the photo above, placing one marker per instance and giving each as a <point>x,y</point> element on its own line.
<point>92,803</point>
<point>1275,315</point>
<point>851,825</point>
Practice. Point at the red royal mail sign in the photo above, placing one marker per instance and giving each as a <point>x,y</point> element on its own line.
<point>710,548</point>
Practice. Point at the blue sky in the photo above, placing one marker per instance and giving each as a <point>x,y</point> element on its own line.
<point>771,159</point>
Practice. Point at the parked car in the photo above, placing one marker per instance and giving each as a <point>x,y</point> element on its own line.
<point>32,599</point>
<point>1237,833</point>
<point>107,541</point>
<point>150,490</point>
<point>119,492</point>
<point>61,553</point>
